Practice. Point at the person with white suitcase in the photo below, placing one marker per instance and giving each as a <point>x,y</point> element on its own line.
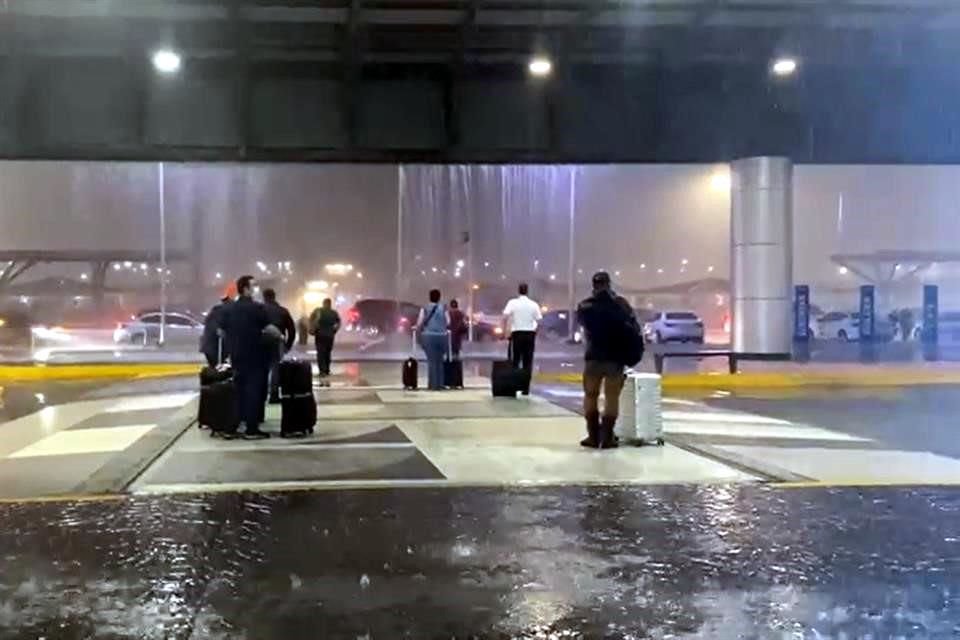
<point>613,342</point>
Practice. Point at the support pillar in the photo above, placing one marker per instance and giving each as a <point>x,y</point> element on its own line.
<point>761,255</point>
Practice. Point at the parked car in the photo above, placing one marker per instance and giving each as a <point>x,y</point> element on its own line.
<point>180,328</point>
<point>556,326</point>
<point>674,326</point>
<point>845,326</point>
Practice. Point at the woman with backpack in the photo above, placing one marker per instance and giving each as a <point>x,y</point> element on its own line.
<point>432,326</point>
<point>458,329</point>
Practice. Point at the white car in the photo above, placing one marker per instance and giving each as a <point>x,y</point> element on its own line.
<point>845,326</point>
<point>948,329</point>
<point>180,328</point>
<point>674,326</point>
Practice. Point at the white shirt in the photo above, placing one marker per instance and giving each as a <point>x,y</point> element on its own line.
<point>522,314</point>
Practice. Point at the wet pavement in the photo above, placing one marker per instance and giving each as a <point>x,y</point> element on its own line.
<point>657,562</point>
<point>909,418</point>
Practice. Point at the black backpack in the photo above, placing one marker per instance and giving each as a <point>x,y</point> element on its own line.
<point>631,340</point>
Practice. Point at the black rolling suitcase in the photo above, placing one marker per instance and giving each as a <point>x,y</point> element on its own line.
<point>298,407</point>
<point>452,367</point>
<point>410,374</point>
<point>298,415</point>
<point>506,380</point>
<point>218,410</point>
<point>296,378</point>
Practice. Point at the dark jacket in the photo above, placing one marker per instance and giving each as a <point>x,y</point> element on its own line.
<point>458,328</point>
<point>244,323</point>
<point>605,317</point>
<point>324,323</point>
<point>211,324</point>
<point>281,319</point>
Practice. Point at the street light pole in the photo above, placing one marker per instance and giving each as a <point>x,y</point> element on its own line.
<point>571,290</point>
<point>163,253</point>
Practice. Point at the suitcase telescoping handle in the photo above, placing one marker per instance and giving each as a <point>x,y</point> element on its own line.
<point>219,350</point>
<point>449,353</point>
<point>413,343</point>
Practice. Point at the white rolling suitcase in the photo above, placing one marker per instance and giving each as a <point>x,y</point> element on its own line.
<point>641,420</point>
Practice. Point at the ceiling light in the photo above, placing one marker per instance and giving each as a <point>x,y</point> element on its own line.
<point>720,181</point>
<point>540,66</point>
<point>166,61</point>
<point>784,66</point>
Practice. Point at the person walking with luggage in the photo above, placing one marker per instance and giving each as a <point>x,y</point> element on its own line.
<point>279,317</point>
<point>244,324</point>
<point>432,326</point>
<point>457,328</point>
<point>520,318</point>
<point>211,345</point>
<point>324,325</point>
<point>610,329</point>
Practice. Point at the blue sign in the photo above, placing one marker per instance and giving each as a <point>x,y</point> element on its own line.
<point>801,312</point>
<point>930,330</point>
<point>867,313</point>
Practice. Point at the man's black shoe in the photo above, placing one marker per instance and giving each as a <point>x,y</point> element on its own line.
<point>256,434</point>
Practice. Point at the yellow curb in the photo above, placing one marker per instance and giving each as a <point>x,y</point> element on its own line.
<point>863,484</point>
<point>28,373</point>
<point>64,498</point>
<point>875,378</point>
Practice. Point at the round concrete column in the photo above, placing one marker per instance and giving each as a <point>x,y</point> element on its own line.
<point>761,254</point>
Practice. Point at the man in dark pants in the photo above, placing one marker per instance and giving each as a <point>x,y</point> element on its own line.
<point>324,323</point>
<point>213,332</point>
<point>605,318</point>
<point>244,325</point>
<point>279,317</point>
<point>521,316</point>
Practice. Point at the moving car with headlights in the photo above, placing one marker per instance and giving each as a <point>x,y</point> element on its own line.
<point>180,328</point>
<point>15,329</point>
<point>555,325</point>
<point>674,326</point>
<point>381,316</point>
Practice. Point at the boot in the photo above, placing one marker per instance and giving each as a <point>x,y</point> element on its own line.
<point>606,437</point>
<point>593,426</point>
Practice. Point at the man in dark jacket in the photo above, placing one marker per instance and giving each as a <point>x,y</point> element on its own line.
<point>606,318</point>
<point>279,317</point>
<point>213,332</point>
<point>324,324</point>
<point>244,324</point>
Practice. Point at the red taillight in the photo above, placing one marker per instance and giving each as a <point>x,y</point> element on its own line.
<point>353,316</point>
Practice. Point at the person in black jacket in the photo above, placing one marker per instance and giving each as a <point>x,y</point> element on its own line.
<point>606,318</point>
<point>244,324</point>
<point>279,317</point>
<point>324,324</point>
<point>213,332</point>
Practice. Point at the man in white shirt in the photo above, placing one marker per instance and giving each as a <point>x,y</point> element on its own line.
<point>520,318</point>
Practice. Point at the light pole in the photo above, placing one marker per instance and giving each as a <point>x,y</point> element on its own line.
<point>571,290</point>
